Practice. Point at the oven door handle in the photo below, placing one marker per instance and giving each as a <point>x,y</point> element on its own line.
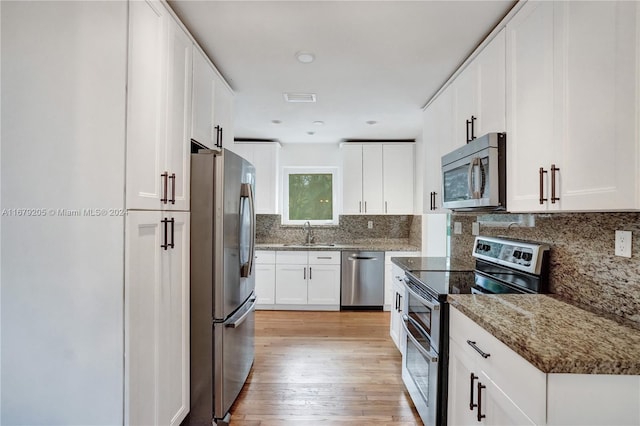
<point>431,355</point>
<point>435,306</point>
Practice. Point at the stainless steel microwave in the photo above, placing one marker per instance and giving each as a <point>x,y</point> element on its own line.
<point>474,175</point>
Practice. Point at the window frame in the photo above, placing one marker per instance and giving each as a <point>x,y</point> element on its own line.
<point>289,170</point>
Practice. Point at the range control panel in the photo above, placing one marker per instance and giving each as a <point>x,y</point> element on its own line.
<point>521,255</point>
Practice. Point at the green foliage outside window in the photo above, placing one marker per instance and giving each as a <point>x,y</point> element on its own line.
<point>311,196</point>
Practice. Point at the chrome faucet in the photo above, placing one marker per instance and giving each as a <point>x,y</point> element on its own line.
<point>307,228</point>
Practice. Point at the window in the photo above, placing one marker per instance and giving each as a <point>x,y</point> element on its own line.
<point>310,195</point>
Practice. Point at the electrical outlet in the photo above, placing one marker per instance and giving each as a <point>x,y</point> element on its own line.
<point>370,224</point>
<point>475,228</point>
<point>623,243</point>
<point>457,227</point>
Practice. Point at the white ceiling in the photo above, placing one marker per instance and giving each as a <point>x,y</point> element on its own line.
<point>375,60</point>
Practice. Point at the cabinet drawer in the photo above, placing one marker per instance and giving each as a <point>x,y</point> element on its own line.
<point>265,257</point>
<point>324,258</point>
<point>516,377</point>
<point>291,257</point>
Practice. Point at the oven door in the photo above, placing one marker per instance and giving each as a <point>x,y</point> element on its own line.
<point>425,312</point>
<point>471,181</point>
<point>420,371</point>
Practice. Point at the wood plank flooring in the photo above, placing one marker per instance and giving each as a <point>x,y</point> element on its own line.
<point>325,368</point>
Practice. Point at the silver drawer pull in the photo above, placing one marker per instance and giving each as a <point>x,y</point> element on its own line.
<point>480,351</point>
<point>324,257</point>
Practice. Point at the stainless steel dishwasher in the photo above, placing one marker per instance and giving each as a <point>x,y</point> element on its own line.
<point>362,280</point>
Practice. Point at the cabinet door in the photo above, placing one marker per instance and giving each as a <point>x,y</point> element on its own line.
<point>438,140</point>
<point>398,166</point>
<point>372,179</point>
<point>178,143</point>
<point>156,318</point>
<point>462,405</point>
<point>465,95</point>
<point>599,88</point>
<point>265,159</point>
<point>265,284</point>
<point>490,104</point>
<point>324,285</point>
<point>143,307</point>
<point>146,93</point>
<point>291,284</point>
<point>202,122</point>
<point>531,111</point>
<point>496,406</point>
<point>223,112</point>
<point>352,179</point>
<point>174,322</point>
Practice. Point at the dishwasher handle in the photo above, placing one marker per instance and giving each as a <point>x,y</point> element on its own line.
<point>361,258</point>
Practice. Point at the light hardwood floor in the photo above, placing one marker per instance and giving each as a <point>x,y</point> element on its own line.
<point>326,368</point>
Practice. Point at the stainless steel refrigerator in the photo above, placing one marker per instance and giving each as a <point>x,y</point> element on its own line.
<point>222,282</point>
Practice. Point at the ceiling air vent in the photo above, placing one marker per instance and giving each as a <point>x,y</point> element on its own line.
<point>300,97</point>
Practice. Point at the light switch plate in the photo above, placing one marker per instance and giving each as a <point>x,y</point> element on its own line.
<point>475,228</point>
<point>457,227</point>
<point>370,224</point>
<point>623,243</point>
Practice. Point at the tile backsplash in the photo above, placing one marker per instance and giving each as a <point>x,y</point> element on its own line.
<point>584,270</point>
<point>351,228</point>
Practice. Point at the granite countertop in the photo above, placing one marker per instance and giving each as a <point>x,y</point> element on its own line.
<point>374,245</point>
<point>554,336</point>
<point>431,264</point>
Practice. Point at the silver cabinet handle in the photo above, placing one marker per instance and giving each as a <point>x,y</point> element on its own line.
<point>480,351</point>
<point>173,188</point>
<point>542,172</point>
<point>165,178</point>
<point>554,169</point>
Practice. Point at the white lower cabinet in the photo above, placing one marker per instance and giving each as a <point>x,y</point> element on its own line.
<point>397,309</point>
<point>265,267</point>
<point>505,389</point>
<point>306,280</point>
<point>394,294</point>
<point>156,318</point>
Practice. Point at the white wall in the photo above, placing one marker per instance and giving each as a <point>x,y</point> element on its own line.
<point>62,142</point>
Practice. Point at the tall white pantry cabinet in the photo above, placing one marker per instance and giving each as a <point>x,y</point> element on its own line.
<point>94,260</point>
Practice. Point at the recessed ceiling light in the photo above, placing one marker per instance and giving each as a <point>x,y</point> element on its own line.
<point>305,57</point>
<point>318,123</point>
<point>311,133</point>
<point>372,122</point>
<point>276,121</point>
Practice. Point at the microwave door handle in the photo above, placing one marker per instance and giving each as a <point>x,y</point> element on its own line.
<point>474,192</point>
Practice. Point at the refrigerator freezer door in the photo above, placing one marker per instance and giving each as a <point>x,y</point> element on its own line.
<point>233,357</point>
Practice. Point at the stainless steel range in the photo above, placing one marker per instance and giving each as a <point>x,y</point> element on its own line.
<point>502,266</point>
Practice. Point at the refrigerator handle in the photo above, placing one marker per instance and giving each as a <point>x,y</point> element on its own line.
<point>236,323</point>
<point>246,269</point>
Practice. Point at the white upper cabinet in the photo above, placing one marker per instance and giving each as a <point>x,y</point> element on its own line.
<point>599,104</point>
<point>572,108</point>
<point>159,100</point>
<point>377,178</point>
<point>398,166</point>
<point>437,139</point>
<point>204,86</point>
<point>352,179</point>
<point>479,94</point>
<point>265,157</point>
<point>372,180</point>
<point>212,118</point>
<point>531,138</point>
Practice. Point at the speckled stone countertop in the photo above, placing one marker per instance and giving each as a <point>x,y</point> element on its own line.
<point>430,264</point>
<point>365,245</point>
<point>554,336</point>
